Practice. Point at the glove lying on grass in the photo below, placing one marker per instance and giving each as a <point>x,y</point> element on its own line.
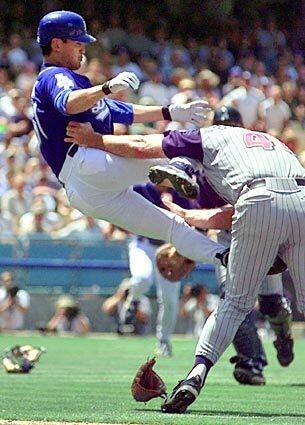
<point>147,384</point>
<point>21,359</point>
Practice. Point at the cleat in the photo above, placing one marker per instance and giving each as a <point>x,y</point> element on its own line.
<point>127,319</point>
<point>177,176</point>
<point>248,371</point>
<point>184,394</point>
<point>164,349</point>
<point>284,348</point>
<point>249,376</point>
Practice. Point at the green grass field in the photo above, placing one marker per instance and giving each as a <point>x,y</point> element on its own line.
<point>88,380</point>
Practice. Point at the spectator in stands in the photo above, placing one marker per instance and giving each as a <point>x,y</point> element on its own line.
<point>39,221</point>
<point>299,109</point>
<point>17,56</point>
<point>27,76</point>
<point>19,123</point>
<point>234,80</point>
<point>259,72</point>
<point>68,317</point>
<point>95,72</point>
<point>114,35</point>
<point>246,99</point>
<point>175,77</point>
<point>14,303</point>
<point>187,91</point>
<point>140,313</point>
<point>270,41</point>
<point>84,228</point>
<point>137,41</point>
<point>7,230</point>
<point>196,305</point>
<point>16,200</point>
<point>207,86</point>
<point>274,111</point>
<point>124,64</point>
<point>154,88</point>
<point>289,91</point>
<point>291,140</point>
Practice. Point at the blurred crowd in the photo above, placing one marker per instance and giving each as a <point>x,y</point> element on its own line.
<point>255,69</point>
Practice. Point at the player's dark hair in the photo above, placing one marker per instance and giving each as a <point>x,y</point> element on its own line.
<point>47,49</point>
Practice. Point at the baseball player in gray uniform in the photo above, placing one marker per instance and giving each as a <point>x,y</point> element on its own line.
<point>272,304</point>
<point>265,183</point>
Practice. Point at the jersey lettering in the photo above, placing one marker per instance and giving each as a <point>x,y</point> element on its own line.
<point>63,81</point>
<point>253,139</point>
<point>100,110</point>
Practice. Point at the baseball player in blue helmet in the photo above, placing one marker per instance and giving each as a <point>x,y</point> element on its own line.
<point>65,25</point>
<point>97,183</point>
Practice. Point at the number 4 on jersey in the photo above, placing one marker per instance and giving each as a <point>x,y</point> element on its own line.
<point>254,139</point>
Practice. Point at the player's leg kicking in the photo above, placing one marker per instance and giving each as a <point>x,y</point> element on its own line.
<point>98,184</point>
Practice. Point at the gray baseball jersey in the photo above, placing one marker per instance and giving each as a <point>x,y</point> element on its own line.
<point>234,157</point>
<point>260,176</point>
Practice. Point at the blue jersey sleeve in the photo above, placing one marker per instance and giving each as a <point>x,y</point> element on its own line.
<point>121,112</point>
<point>58,86</point>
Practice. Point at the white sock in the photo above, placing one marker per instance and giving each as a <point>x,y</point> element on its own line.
<point>200,370</point>
<point>196,165</point>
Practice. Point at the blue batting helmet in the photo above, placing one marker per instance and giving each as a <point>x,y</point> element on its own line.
<point>62,24</point>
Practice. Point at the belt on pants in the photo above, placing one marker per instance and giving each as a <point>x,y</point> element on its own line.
<point>285,183</point>
<point>71,152</point>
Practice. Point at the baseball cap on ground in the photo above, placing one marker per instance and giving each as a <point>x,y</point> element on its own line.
<point>63,24</point>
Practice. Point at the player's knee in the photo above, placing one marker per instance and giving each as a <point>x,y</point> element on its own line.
<point>242,303</point>
<point>249,322</point>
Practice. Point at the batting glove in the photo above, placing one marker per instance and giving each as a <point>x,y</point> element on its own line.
<point>123,81</point>
<point>193,112</point>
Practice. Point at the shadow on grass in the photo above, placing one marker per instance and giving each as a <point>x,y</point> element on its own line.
<point>297,385</point>
<point>234,413</point>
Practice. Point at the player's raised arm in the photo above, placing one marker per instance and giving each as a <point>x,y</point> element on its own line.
<point>81,100</point>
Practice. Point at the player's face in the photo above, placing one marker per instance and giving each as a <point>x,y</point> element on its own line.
<point>72,54</point>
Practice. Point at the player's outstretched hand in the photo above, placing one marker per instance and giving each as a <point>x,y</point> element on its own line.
<point>194,112</point>
<point>123,81</point>
<point>82,134</point>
